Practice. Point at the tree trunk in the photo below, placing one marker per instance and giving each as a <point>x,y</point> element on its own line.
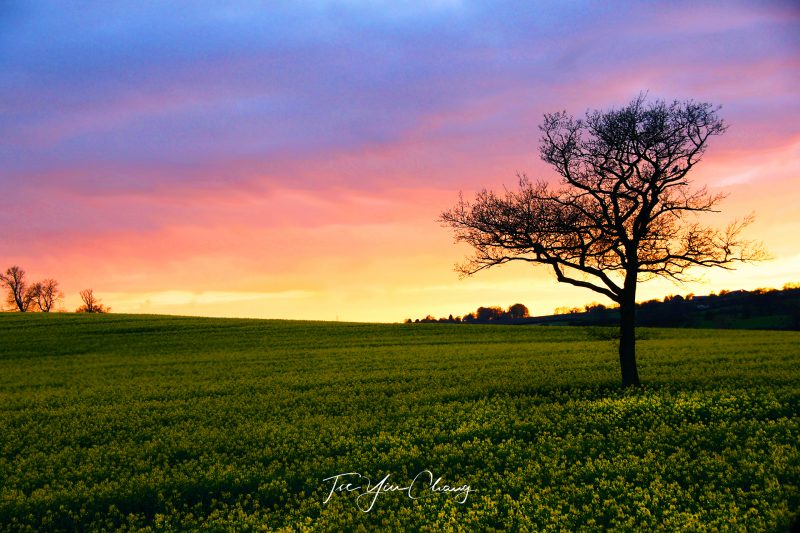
<point>627,338</point>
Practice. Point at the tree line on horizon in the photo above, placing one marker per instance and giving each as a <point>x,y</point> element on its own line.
<point>482,315</point>
<point>762,308</point>
<point>771,308</point>
<point>41,296</point>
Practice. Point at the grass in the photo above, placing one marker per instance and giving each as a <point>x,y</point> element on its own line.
<point>165,423</point>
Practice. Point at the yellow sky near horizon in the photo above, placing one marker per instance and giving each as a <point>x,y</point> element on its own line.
<point>302,176</point>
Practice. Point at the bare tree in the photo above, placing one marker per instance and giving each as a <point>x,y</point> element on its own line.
<point>625,211</point>
<point>19,294</point>
<point>45,294</point>
<point>90,303</point>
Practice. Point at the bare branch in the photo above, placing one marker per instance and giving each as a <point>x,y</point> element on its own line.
<point>625,206</point>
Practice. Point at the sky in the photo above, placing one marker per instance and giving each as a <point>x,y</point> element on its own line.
<point>290,159</point>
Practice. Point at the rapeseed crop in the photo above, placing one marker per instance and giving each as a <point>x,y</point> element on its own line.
<point>159,423</point>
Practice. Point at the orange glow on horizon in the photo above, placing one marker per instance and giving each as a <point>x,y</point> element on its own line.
<point>302,176</point>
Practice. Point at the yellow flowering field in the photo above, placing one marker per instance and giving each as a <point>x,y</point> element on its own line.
<point>153,423</point>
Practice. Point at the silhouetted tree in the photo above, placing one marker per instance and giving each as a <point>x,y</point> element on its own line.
<point>90,303</point>
<point>518,311</point>
<point>488,314</point>
<point>19,294</point>
<point>45,294</point>
<point>594,307</point>
<point>624,212</point>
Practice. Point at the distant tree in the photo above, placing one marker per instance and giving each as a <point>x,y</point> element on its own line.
<point>625,211</point>
<point>595,307</point>
<point>90,303</point>
<point>518,311</point>
<point>488,314</point>
<point>45,294</point>
<point>19,294</point>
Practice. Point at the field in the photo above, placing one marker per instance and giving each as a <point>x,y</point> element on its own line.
<point>165,423</point>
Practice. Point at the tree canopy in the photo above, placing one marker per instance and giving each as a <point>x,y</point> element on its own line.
<point>625,210</point>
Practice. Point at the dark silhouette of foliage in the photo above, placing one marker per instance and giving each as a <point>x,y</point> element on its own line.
<point>757,309</point>
<point>19,294</point>
<point>42,295</point>
<point>483,315</point>
<point>738,309</point>
<point>518,311</point>
<point>90,303</point>
<point>45,294</point>
<point>625,211</point>
<point>488,314</point>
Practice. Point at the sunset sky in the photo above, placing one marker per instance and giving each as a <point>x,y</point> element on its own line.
<point>290,159</point>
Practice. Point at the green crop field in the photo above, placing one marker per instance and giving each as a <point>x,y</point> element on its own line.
<point>168,423</point>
